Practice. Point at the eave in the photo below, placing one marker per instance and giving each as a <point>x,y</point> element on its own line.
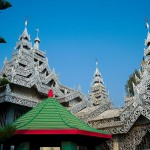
<point>63,132</point>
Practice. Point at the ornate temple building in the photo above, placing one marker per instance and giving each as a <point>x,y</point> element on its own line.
<point>31,77</point>
<point>98,99</point>
<point>129,125</point>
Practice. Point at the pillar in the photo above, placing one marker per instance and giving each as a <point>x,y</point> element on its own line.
<point>1,147</point>
<point>68,145</point>
<point>23,146</point>
<point>115,144</point>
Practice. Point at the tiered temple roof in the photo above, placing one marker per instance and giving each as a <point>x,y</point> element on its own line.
<point>31,77</point>
<point>50,117</point>
<point>98,100</point>
<point>121,120</point>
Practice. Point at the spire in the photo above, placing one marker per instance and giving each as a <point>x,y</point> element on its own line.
<point>147,24</point>
<point>97,75</point>
<point>26,23</point>
<point>25,34</point>
<point>24,39</point>
<point>37,40</point>
<point>98,94</point>
<point>147,41</point>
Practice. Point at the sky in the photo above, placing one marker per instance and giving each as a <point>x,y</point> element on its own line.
<point>74,33</point>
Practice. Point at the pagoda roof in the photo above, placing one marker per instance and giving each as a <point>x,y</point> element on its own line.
<point>50,117</point>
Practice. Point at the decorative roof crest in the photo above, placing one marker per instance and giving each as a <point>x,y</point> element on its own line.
<point>147,24</point>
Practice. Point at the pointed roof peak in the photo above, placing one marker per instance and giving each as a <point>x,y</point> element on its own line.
<point>97,70</point>
<point>37,36</point>
<point>26,23</point>
<point>147,24</point>
<point>96,63</point>
<point>37,40</point>
<point>97,75</point>
<point>25,34</point>
<point>147,40</point>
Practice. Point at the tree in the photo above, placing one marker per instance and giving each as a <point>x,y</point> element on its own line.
<point>2,40</point>
<point>3,81</point>
<point>4,5</point>
<point>129,84</point>
<point>7,132</point>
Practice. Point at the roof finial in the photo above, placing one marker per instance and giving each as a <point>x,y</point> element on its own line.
<point>37,32</point>
<point>96,62</point>
<point>147,24</point>
<point>26,22</point>
<point>50,93</point>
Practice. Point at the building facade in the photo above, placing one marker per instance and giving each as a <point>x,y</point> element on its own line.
<point>31,77</point>
<point>130,125</point>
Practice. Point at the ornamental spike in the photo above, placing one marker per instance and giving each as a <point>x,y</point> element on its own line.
<point>147,24</point>
<point>50,93</point>
<point>26,22</point>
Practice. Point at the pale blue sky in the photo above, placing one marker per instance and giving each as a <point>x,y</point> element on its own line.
<point>74,33</point>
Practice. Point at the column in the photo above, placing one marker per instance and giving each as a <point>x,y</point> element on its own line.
<point>68,145</point>
<point>1,147</point>
<point>115,144</point>
<point>23,146</point>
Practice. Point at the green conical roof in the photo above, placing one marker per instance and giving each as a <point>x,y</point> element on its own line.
<point>49,115</point>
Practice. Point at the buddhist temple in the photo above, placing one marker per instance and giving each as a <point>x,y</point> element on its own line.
<point>30,78</point>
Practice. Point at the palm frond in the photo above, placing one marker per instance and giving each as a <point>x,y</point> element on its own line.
<point>7,132</point>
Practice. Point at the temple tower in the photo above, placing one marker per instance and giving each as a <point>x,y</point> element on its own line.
<point>98,94</point>
<point>98,99</point>
<point>142,85</point>
<point>130,125</point>
<point>30,79</point>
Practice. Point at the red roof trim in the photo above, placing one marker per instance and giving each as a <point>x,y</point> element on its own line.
<point>65,132</point>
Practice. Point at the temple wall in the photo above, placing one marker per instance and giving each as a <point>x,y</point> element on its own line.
<point>30,92</point>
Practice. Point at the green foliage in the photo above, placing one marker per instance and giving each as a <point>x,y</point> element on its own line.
<point>2,40</point>
<point>148,88</point>
<point>129,84</point>
<point>7,132</point>
<point>4,4</point>
<point>3,81</point>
